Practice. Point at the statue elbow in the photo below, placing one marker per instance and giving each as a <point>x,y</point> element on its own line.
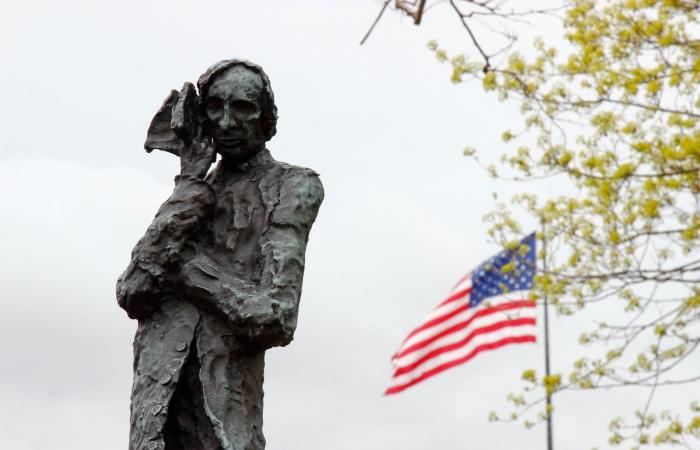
<point>135,294</point>
<point>273,330</point>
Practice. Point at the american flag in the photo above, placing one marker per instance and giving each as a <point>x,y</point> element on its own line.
<point>482,312</point>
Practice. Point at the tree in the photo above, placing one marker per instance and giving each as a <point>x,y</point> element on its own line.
<point>617,118</point>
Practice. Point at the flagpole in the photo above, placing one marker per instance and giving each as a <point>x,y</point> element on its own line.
<point>549,409</point>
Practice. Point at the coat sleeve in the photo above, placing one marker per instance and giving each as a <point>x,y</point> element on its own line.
<point>159,254</point>
<point>264,313</point>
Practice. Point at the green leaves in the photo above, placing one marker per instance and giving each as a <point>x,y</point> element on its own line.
<point>614,113</point>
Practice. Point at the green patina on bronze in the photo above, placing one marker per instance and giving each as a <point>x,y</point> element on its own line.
<point>216,280</point>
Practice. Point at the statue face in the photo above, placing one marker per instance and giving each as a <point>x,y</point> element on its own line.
<point>233,111</point>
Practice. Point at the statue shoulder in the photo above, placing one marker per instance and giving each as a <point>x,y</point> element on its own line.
<point>292,170</point>
<point>301,194</point>
<point>301,180</point>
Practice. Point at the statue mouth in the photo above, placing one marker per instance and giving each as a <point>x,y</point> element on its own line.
<point>230,141</point>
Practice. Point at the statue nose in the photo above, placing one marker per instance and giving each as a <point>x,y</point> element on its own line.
<point>228,120</point>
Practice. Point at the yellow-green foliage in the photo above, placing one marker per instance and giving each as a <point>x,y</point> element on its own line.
<point>618,117</point>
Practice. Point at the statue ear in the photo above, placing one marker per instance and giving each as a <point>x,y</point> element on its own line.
<point>160,134</point>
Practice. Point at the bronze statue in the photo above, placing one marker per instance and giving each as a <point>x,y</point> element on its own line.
<point>216,279</point>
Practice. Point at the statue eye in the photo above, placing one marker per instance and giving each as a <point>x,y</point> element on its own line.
<point>214,107</point>
<point>243,108</point>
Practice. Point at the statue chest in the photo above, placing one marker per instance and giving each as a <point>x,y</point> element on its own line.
<point>243,210</point>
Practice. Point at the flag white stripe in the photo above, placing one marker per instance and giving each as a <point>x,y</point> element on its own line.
<point>439,328</point>
<point>446,309</point>
<point>464,283</point>
<point>460,334</point>
<point>459,317</point>
<point>462,352</point>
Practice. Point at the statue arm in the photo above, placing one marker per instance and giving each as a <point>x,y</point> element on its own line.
<point>264,313</point>
<point>160,252</point>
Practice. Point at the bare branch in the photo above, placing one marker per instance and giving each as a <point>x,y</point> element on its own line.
<point>487,62</point>
<point>406,7</point>
<point>376,21</point>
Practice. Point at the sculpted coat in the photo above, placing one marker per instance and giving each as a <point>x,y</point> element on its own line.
<point>215,281</point>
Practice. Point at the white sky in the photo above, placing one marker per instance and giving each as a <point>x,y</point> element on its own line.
<point>401,221</point>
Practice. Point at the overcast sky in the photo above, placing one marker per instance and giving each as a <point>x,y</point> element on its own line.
<point>401,221</point>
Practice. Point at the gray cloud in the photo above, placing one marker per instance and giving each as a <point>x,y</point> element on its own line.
<point>400,223</point>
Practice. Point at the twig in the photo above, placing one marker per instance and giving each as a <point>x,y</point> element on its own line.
<point>487,63</point>
<point>376,21</point>
<point>419,12</point>
<point>405,6</point>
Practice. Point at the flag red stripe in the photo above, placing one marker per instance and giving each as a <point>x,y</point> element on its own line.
<point>438,320</point>
<point>456,362</point>
<point>467,339</point>
<point>456,296</point>
<point>456,327</point>
<point>462,280</point>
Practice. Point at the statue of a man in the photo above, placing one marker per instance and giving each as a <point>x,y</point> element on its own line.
<point>216,279</point>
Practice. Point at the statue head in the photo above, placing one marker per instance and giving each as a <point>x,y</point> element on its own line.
<point>237,108</point>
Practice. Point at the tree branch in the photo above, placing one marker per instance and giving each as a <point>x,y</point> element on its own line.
<point>376,21</point>
<point>487,62</point>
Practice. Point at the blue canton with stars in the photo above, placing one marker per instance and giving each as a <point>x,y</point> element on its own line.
<point>490,279</point>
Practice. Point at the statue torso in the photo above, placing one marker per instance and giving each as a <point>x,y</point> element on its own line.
<point>246,196</point>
